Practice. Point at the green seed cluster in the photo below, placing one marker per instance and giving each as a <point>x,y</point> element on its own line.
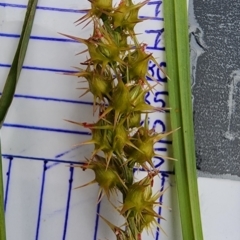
<point>116,74</point>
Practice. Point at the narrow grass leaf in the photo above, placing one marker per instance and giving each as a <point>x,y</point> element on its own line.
<point>2,215</point>
<point>12,78</point>
<point>9,90</point>
<point>178,69</point>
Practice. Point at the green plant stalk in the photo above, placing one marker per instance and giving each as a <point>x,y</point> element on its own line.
<point>2,216</point>
<point>13,76</point>
<point>9,90</point>
<point>116,72</point>
<point>178,69</point>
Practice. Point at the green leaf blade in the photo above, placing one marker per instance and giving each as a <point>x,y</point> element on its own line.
<point>178,69</point>
<point>9,90</point>
<point>13,76</point>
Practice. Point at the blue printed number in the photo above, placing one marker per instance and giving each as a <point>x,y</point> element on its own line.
<point>146,98</point>
<point>161,123</point>
<point>157,7</point>
<point>158,161</point>
<point>158,38</point>
<point>155,72</point>
<point>160,75</point>
<point>157,98</point>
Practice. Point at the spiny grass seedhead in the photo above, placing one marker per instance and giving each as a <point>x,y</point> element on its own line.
<point>101,136</point>
<point>94,50</point>
<point>149,221</point>
<point>126,15</point>
<point>139,204</point>
<point>143,151</point>
<point>101,140</point>
<point>120,139</point>
<point>103,5</point>
<point>117,35</point>
<point>137,62</point>
<point>135,91</point>
<point>103,47</point>
<point>116,73</point>
<point>96,56</point>
<point>120,99</point>
<point>134,120</point>
<point>98,8</point>
<point>137,98</point>
<point>107,178</point>
<point>100,85</point>
<point>121,39</point>
<point>139,197</point>
<point>124,171</point>
<point>119,103</point>
<point>118,232</point>
<point>144,148</point>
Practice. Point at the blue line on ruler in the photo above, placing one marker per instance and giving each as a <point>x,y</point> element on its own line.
<point>58,156</point>
<point>64,153</point>
<point>10,35</point>
<point>42,8</point>
<point>63,161</point>
<point>57,162</point>
<point>51,99</point>
<point>41,159</point>
<point>68,203</point>
<point>97,220</point>
<point>152,18</point>
<point>52,165</point>
<point>61,9</point>
<point>160,200</point>
<point>41,199</point>
<point>40,68</point>
<point>165,141</point>
<point>161,149</point>
<point>156,48</point>
<point>59,130</point>
<point>8,181</point>
<point>158,3</point>
<point>67,101</point>
<point>154,2</point>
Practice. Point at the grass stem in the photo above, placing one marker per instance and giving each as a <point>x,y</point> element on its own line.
<point>9,90</point>
<point>178,69</point>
